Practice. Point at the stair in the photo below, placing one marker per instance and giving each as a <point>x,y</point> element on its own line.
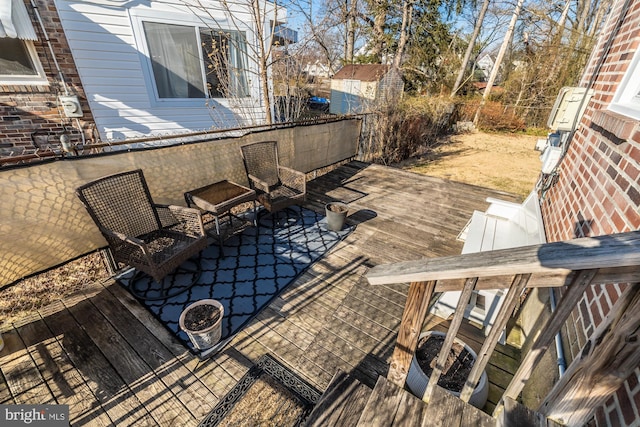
<point>341,404</point>
<point>347,402</point>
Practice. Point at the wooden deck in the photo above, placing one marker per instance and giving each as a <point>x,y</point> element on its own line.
<point>113,363</point>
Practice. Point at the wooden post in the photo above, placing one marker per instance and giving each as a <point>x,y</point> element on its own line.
<point>465,295</point>
<point>570,298</point>
<point>509,304</point>
<point>606,361</point>
<point>415,311</point>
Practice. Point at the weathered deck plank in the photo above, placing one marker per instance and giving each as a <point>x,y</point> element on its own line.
<point>115,362</point>
<point>342,403</point>
<point>443,409</point>
<point>21,374</point>
<point>65,382</point>
<point>106,384</point>
<point>382,406</point>
<point>189,391</point>
<point>219,375</point>
<point>161,403</point>
<point>5,394</point>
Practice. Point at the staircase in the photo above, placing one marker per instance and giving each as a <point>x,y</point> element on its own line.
<point>348,402</point>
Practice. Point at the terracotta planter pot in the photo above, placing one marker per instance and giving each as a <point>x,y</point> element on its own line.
<point>206,337</point>
<point>417,380</point>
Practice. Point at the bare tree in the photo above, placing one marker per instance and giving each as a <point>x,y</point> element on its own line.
<point>263,18</point>
<point>470,47</point>
<point>496,67</point>
<point>405,26</point>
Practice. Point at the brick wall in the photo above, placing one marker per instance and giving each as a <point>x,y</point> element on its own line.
<point>598,192</point>
<point>27,109</point>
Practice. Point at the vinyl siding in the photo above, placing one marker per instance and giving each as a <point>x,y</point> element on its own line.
<point>112,70</point>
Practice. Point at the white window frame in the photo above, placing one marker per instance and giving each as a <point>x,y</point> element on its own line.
<point>171,17</point>
<point>626,100</point>
<point>39,79</point>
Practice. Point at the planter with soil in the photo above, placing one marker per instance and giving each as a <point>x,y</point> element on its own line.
<point>456,370</point>
<point>202,322</point>
<point>336,215</point>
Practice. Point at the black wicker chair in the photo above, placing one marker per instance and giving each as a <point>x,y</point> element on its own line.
<point>154,239</point>
<point>277,187</point>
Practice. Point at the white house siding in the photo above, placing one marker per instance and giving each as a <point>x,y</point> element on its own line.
<point>113,70</point>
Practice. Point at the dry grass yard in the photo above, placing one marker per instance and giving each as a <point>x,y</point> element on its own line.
<point>499,161</point>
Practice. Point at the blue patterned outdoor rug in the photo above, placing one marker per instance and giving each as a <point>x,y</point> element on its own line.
<point>257,265</point>
<point>268,395</point>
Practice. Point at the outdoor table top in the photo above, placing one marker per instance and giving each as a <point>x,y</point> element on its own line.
<point>220,196</point>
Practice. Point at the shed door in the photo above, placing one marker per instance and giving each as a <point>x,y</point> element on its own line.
<point>351,101</point>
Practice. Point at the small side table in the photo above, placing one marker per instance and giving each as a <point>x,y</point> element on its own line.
<point>218,199</point>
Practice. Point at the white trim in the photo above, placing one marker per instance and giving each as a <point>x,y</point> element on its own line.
<point>39,79</point>
<point>626,100</point>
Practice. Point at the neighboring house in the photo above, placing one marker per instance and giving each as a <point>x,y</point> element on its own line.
<point>317,69</point>
<point>484,65</point>
<point>355,88</point>
<point>595,190</point>
<point>137,68</point>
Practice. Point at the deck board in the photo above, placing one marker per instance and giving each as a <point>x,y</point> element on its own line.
<point>21,374</point>
<point>107,357</point>
<point>108,387</point>
<point>66,383</point>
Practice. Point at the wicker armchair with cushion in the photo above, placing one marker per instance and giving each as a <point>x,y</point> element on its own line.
<point>277,187</point>
<point>154,239</point>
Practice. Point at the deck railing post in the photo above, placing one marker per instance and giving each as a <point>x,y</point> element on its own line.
<point>465,296</point>
<point>415,311</point>
<point>566,305</point>
<point>509,304</point>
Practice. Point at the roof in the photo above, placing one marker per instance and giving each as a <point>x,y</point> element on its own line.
<point>363,72</point>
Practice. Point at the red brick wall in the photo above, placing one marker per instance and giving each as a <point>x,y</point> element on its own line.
<point>25,109</point>
<point>598,191</point>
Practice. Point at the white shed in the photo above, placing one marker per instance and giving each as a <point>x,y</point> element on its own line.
<point>355,88</point>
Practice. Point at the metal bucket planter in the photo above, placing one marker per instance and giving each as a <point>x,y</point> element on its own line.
<point>202,322</point>
<point>336,213</point>
<point>417,380</point>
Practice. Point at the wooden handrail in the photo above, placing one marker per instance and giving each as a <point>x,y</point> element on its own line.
<point>577,263</point>
<point>550,264</point>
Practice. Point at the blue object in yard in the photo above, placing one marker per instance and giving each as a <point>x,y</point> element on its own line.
<point>318,100</point>
<point>318,103</point>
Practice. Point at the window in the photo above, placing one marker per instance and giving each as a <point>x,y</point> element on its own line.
<point>627,98</point>
<point>193,62</point>
<point>19,64</point>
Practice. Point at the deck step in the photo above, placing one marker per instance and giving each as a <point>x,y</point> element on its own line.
<point>390,405</point>
<point>341,404</point>
<point>516,414</point>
